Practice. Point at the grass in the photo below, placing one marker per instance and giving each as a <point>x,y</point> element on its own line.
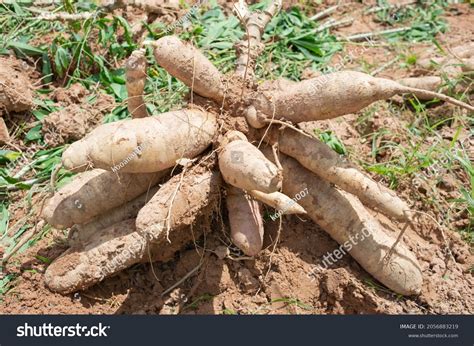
<point>419,155</point>
<point>331,140</point>
<point>425,21</point>
<point>93,53</point>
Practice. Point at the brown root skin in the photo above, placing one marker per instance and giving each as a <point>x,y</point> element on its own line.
<point>80,234</point>
<point>435,83</point>
<point>190,66</point>
<point>464,51</point>
<point>178,203</point>
<point>326,163</point>
<point>144,145</point>
<point>279,201</point>
<point>246,223</point>
<point>333,95</point>
<point>105,253</point>
<point>324,97</point>
<point>93,193</point>
<point>431,83</point>
<point>123,244</point>
<point>136,78</point>
<point>351,225</point>
<point>250,46</point>
<point>112,250</point>
<point>255,118</point>
<point>460,52</point>
<point>244,166</point>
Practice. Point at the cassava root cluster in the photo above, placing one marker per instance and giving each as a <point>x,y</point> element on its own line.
<point>163,195</point>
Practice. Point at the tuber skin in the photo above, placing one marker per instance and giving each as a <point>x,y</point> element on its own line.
<point>136,78</point>
<point>190,66</point>
<point>279,201</point>
<point>332,95</point>
<point>468,66</point>
<point>245,218</point>
<point>143,239</point>
<point>144,145</point>
<point>79,234</point>
<point>342,216</point>
<point>432,83</point>
<point>103,254</point>
<point>460,52</point>
<point>138,227</point>
<point>453,69</point>
<point>178,202</point>
<point>93,193</point>
<point>244,166</point>
<point>326,163</point>
<point>464,51</point>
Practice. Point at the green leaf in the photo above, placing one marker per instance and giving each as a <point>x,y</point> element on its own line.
<point>44,259</point>
<point>46,69</point>
<point>40,113</point>
<point>4,218</point>
<point>120,91</point>
<point>333,142</point>
<point>5,283</point>
<point>34,134</point>
<point>25,49</point>
<point>8,156</point>
<point>62,60</point>
<point>221,45</point>
<point>17,9</point>
<point>310,45</point>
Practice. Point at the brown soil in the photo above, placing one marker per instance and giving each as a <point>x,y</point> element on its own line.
<point>279,280</point>
<point>77,118</point>
<point>275,282</point>
<point>16,91</point>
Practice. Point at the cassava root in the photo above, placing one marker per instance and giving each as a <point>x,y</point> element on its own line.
<point>333,95</point>
<point>144,145</point>
<point>146,238</point>
<point>146,221</point>
<point>245,218</point>
<point>244,166</point>
<point>326,163</point>
<point>346,220</point>
<point>84,198</point>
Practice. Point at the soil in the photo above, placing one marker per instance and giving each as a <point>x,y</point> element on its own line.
<point>277,281</point>
<point>16,91</point>
<point>282,279</point>
<point>77,117</point>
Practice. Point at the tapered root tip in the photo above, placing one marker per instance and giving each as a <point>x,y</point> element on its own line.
<point>249,248</point>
